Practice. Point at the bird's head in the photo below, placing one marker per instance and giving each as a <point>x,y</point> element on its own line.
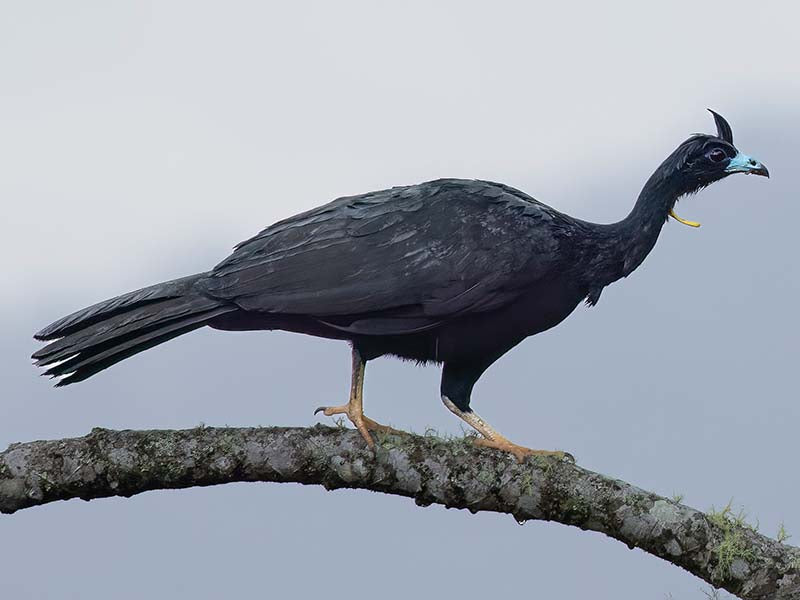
<point>703,159</point>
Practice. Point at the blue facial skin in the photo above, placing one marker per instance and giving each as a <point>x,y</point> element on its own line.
<point>741,163</point>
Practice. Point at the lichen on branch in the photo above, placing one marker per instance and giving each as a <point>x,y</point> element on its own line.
<point>718,548</point>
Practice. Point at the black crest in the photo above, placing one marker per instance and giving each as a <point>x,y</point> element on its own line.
<point>724,131</point>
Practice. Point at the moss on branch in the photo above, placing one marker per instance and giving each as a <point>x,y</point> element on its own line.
<point>719,548</point>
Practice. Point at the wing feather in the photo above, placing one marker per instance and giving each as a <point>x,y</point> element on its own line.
<point>403,259</point>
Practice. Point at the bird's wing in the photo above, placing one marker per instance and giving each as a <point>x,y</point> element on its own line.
<point>395,261</point>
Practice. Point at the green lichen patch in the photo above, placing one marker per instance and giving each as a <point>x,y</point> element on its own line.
<point>526,483</point>
<point>640,503</point>
<point>575,511</point>
<point>783,535</point>
<point>733,545</point>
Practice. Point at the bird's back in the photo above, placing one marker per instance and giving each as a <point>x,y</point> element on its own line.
<point>432,250</point>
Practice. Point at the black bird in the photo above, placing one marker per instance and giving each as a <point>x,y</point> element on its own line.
<point>450,271</point>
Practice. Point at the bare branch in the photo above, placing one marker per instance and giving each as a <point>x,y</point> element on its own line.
<point>717,548</point>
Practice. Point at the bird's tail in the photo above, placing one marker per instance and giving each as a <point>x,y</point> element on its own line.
<point>93,339</point>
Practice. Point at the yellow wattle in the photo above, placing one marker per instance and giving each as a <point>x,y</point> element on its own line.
<point>684,221</point>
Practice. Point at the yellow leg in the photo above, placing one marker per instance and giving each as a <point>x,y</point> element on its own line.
<point>492,439</point>
<point>354,409</point>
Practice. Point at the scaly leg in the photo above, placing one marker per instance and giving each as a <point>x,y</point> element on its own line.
<point>354,409</point>
<point>493,439</point>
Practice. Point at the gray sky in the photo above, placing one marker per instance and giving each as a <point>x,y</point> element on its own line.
<point>140,141</point>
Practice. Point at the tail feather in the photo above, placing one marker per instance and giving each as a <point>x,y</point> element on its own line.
<point>104,334</point>
<point>82,366</point>
<point>136,319</point>
<point>103,310</point>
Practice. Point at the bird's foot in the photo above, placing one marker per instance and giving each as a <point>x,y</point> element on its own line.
<point>375,426</point>
<point>361,422</point>
<point>521,452</point>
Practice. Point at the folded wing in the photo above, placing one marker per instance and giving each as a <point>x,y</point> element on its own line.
<point>394,261</point>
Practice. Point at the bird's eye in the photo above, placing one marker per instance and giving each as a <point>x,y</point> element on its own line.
<point>717,155</point>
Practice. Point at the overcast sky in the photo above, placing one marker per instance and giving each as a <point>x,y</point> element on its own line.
<point>139,141</point>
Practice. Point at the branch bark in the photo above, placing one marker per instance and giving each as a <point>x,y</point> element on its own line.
<point>716,548</point>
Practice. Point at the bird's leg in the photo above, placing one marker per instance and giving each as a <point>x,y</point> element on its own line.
<point>492,439</point>
<point>354,409</point>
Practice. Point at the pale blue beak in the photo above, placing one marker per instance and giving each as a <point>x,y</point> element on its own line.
<point>741,163</point>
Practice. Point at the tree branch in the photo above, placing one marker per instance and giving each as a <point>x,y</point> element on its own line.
<point>717,548</point>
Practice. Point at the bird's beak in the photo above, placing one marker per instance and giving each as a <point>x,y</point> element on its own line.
<point>741,163</point>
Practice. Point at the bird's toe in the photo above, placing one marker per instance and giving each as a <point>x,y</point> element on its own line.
<point>521,452</point>
<point>329,411</point>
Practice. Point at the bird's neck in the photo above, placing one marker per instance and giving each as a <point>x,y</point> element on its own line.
<point>621,247</point>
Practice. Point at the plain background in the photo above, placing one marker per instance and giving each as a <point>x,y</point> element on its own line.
<point>139,141</point>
